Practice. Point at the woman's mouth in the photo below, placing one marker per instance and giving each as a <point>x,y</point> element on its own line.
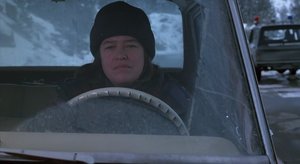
<point>123,66</point>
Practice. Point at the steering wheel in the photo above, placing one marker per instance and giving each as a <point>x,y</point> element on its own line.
<point>161,106</point>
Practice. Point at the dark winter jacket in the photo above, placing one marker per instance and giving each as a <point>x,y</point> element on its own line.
<point>163,87</point>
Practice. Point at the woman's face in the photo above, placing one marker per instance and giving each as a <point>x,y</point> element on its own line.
<point>122,60</point>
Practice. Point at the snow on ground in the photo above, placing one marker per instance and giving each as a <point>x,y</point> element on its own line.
<point>282,90</point>
<point>39,49</point>
<point>266,73</point>
<point>167,29</point>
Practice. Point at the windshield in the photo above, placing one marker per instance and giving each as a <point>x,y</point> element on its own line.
<point>213,111</point>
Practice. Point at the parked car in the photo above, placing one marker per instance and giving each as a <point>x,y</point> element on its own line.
<point>201,44</point>
<point>275,47</point>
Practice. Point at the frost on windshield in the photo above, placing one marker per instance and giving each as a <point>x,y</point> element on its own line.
<point>104,115</point>
<point>46,33</point>
<point>221,96</point>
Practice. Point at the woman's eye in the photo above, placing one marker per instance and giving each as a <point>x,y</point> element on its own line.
<point>109,47</point>
<point>131,46</point>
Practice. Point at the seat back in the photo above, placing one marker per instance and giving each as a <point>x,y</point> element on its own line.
<point>18,102</point>
<point>23,101</point>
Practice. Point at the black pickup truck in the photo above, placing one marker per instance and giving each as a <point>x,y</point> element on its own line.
<point>275,47</point>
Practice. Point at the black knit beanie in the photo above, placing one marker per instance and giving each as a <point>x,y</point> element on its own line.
<point>120,18</point>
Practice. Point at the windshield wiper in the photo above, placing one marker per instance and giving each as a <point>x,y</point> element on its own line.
<point>37,155</point>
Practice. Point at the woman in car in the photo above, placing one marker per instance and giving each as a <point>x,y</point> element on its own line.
<point>123,46</point>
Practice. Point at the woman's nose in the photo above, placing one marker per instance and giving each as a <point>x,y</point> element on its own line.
<point>121,54</point>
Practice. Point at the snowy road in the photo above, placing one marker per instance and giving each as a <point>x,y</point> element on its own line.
<point>281,97</point>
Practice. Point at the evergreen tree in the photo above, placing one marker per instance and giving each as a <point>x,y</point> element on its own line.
<point>252,8</point>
